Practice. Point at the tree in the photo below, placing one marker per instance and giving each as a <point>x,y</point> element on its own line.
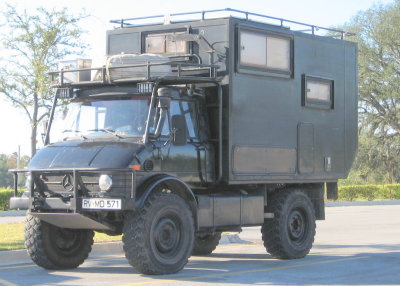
<point>377,33</point>
<point>8,162</point>
<point>34,44</point>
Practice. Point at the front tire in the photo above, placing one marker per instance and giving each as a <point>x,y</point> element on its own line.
<point>290,234</point>
<point>158,238</point>
<point>52,247</point>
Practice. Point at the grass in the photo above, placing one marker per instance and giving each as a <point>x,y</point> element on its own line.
<point>12,236</point>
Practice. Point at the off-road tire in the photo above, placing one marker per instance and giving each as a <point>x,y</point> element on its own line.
<point>158,238</point>
<point>290,234</point>
<point>205,244</point>
<point>52,247</point>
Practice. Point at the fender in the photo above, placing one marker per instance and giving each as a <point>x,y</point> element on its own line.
<point>176,185</point>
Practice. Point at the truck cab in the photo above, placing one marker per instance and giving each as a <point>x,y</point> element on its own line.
<point>189,129</point>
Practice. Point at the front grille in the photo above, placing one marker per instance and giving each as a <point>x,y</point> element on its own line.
<point>56,184</point>
<point>64,183</point>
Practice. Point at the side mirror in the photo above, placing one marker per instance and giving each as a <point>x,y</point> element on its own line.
<point>164,102</point>
<point>179,130</point>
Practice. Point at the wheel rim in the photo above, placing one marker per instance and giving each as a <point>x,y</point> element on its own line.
<point>297,226</point>
<point>166,235</point>
<point>65,240</point>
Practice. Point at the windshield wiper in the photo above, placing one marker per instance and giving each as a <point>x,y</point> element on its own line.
<point>109,131</point>
<point>75,131</point>
<point>70,130</point>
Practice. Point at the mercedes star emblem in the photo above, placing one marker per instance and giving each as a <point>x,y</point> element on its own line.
<point>67,183</point>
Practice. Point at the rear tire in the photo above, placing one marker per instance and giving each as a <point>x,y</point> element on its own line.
<point>205,244</point>
<point>52,247</point>
<point>158,238</point>
<point>290,234</point>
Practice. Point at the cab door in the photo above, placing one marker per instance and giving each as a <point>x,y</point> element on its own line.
<point>188,162</point>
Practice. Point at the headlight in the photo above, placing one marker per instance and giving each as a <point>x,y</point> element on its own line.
<point>105,183</point>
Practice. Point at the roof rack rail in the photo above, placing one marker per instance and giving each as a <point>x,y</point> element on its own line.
<point>227,12</point>
<point>179,73</point>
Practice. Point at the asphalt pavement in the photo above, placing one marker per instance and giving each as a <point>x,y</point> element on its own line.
<point>355,245</point>
<point>12,216</point>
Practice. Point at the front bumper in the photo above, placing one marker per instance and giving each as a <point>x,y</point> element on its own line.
<point>41,200</point>
<point>19,203</point>
<point>73,220</point>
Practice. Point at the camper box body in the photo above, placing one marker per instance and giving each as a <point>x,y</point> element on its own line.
<point>276,128</point>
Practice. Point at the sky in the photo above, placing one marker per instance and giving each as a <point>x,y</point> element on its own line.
<point>14,123</point>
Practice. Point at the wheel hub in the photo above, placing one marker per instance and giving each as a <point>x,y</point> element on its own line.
<point>65,239</point>
<point>296,225</point>
<point>166,235</point>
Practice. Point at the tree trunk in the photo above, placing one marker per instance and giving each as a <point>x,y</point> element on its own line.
<point>33,139</point>
<point>34,124</point>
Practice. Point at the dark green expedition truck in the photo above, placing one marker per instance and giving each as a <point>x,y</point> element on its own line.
<point>194,126</point>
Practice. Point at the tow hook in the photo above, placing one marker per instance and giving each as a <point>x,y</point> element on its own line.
<point>38,203</point>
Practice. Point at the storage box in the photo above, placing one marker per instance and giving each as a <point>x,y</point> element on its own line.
<point>76,76</point>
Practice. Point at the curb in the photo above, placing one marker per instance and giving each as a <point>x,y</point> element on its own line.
<point>364,203</point>
<point>228,238</point>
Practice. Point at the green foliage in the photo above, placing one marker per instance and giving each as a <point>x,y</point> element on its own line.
<point>34,44</point>
<point>355,177</point>
<point>5,195</point>
<point>369,192</point>
<point>377,34</point>
<point>8,162</point>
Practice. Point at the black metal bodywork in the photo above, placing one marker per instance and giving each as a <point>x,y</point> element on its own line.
<point>257,132</point>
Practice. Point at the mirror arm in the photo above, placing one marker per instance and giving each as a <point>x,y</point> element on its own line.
<point>160,123</point>
<point>152,103</point>
<point>53,108</point>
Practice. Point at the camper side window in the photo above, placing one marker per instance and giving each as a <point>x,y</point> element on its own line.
<point>317,92</point>
<point>265,52</point>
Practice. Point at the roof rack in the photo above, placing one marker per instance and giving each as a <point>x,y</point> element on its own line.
<point>180,73</point>
<point>228,12</point>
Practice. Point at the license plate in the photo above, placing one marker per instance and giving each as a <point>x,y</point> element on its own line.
<point>102,204</point>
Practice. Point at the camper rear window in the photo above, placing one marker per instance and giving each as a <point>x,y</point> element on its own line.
<point>265,52</point>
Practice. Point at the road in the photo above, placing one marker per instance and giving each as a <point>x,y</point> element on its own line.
<point>355,245</point>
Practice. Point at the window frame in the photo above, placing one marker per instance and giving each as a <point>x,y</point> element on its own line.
<point>164,34</point>
<point>313,102</point>
<point>264,69</point>
<point>195,120</point>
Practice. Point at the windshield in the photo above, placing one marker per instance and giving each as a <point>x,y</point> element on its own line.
<point>122,117</point>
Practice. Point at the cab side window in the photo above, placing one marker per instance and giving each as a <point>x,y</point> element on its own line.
<point>187,109</point>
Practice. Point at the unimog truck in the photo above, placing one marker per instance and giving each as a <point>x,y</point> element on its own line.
<point>197,123</point>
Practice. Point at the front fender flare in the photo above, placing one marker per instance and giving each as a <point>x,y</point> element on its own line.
<point>176,185</point>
